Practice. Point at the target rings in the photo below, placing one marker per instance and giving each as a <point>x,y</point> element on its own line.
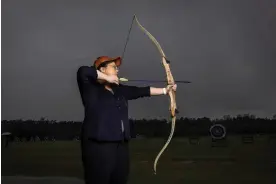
<point>217,131</point>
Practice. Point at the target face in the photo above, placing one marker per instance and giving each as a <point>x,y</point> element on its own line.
<point>218,131</point>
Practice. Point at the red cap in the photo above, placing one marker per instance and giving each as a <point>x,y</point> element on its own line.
<point>102,59</point>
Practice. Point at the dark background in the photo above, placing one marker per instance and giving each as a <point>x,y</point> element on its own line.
<point>226,48</point>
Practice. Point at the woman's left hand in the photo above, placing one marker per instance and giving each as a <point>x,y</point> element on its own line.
<point>171,87</point>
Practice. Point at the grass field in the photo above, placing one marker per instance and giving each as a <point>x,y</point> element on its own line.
<point>182,162</point>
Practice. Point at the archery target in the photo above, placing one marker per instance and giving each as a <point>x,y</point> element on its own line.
<point>217,131</point>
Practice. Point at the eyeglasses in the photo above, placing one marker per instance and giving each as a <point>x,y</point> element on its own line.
<point>114,67</point>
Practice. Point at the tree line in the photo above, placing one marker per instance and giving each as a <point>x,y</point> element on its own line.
<point>45,129</point>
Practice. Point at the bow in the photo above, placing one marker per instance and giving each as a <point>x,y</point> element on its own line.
<point>170,81</point>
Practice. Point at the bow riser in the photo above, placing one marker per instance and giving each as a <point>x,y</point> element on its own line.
<point>170,78</point>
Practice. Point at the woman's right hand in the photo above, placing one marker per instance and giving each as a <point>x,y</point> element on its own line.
<point>112,79</point>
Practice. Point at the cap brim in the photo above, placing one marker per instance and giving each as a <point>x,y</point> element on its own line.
<point>118,61</point>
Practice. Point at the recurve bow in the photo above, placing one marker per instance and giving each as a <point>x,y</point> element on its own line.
<point>172,94</point>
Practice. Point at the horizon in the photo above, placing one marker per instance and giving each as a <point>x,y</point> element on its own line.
<point>225,117</point>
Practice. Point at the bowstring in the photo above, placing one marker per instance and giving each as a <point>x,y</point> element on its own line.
<point>128,37</point>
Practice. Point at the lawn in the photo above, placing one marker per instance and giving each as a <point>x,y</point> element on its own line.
<point>182,162</point>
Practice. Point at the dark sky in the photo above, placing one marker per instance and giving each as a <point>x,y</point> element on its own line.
<point>226,48</point>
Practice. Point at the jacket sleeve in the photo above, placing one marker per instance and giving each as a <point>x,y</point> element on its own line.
<point>86,78</point>
<point>134,92</point>
<point>85,73</point>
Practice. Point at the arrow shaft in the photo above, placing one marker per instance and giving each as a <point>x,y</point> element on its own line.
<point>177,81</point>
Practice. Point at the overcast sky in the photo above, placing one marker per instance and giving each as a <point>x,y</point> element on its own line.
<point>225,48</point>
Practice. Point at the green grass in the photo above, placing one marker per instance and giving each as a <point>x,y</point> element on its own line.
<point>180,163</point>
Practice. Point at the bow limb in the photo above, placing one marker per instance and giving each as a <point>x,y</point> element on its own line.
<point>166,144</point>
<point>170,81</point>
<point>151,37</point>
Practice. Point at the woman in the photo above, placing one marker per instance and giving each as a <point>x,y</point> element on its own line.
<point>106,130</point>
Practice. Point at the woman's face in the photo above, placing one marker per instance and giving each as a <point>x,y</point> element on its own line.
<point>110,69</point>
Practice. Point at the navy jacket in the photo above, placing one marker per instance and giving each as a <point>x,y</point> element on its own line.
<point>104,111</point>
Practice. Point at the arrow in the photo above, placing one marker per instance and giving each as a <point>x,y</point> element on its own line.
<point>127,80</point>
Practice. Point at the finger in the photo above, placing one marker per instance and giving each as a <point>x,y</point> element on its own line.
<point>169,87</point>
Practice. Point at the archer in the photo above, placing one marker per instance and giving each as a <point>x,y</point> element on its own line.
<point>106,130</point>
